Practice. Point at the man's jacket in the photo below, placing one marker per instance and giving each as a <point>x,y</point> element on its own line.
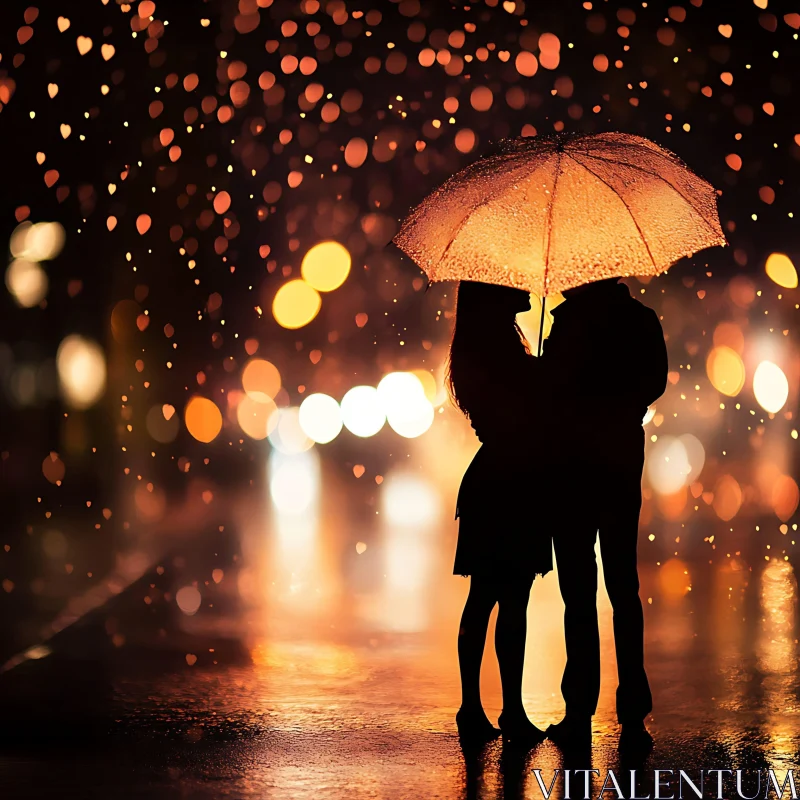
<point>604,363</point>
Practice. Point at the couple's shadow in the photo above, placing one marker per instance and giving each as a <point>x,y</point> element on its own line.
<point>502,769</point>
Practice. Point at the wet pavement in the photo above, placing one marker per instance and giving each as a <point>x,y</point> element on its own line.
<point>311,702</point>
<point>306,648</point>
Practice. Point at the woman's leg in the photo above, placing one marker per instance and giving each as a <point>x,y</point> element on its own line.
<point>472,640</point>
<point>509,642</point>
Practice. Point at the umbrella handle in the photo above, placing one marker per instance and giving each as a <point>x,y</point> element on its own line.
<point>541,325</point>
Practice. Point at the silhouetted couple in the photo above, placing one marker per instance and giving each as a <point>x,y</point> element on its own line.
<point>560,463</point>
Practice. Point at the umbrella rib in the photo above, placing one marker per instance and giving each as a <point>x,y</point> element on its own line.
<point>638,227</point>
<point>661,178</point>
<point>467,217</point>
<point>658,151</point>
<point>550,228</point>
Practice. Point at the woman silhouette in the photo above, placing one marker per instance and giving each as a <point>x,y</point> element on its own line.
<point>491,378</point>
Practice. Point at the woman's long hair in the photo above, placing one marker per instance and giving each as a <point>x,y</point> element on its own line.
<point>487,343</point>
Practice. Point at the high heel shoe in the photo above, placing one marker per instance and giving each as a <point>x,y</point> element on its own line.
<point>572,732</point>
<point>475,726</point>
<point>519,728</point>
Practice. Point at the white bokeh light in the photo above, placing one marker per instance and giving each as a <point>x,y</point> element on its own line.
<point>294,481</point>
<point>770,387</point>
<point>408,410</point>
<point>695,454</point>
<point>81,371</point>
<point>396,387</point>
<point>668,466</point>
<point>40,242</point>
<point>27,281</point>
<point>362,411</point>
<point>412,421</point>
<point>45,241</point>
<point>320,418</point>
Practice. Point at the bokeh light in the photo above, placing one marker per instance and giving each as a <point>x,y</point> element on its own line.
<point>326,266</point>
<point>53,468</point>
<point>40,242</point>
<point>785,497</point>
<point>695,454</point>
<point>294,481</point>
<point>725,370</point>
<point>45,241</point>
<point>408,411</point>
<point>668,465</point>
<point>261,380</point>
<point>320,418</point>
<point>362,411</point>
<point>81,371</point>
<point>742,291</point>
<point>780,269</point>
<point>27,282</point>
<point>203,419</point>
<point>162,423</point>
<point>296,304</point>
<point>728,498</point>
<point>729,334</point>
<point>16,244</point>
<point>674,462</point>
<point>770,387</point>
<point>286,434</point>
<point>257,418</point>
<point>188,599</point>
<point>428,382</point>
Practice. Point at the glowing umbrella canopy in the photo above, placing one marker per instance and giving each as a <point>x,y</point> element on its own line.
<point>548,213</point>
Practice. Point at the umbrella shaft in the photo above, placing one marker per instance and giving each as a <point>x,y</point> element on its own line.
<point>541,325</point>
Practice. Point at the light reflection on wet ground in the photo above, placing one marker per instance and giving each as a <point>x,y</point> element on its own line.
<point>319,671</point>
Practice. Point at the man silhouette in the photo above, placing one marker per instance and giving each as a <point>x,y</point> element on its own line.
<point>606,362</point>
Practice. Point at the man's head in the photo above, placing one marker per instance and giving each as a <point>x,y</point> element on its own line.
<point>593,288</point>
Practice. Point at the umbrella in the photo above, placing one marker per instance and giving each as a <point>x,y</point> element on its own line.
<point>548,213</point>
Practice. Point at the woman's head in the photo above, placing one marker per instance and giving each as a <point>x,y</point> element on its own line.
<point>486,337</point>
<point>488,301</point>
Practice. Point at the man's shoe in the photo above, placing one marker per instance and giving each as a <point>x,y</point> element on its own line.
<point>571,732</point>
<point>635,740</point>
